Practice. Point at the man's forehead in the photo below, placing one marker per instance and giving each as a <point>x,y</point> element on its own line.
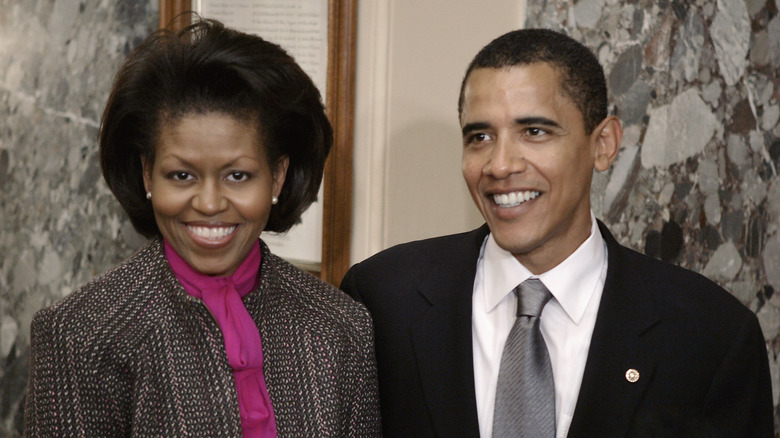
<point>493,85</point>
<point>529,94</point>
<point>486,74</point>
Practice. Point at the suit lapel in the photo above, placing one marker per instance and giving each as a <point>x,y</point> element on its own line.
<point>442,340</point>
<point>608,398</point>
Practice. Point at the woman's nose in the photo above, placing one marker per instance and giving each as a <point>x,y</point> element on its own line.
<point>209,199</point>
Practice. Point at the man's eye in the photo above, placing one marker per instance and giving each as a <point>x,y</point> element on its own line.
<point>479,138</point>
<point>238,176</point>
<point>535,131</point>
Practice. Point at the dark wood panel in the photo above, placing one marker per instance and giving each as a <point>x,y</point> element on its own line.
<point>170,9</point>
<point>337,207</point>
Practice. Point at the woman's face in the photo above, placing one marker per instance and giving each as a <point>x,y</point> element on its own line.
<point>211,187</point>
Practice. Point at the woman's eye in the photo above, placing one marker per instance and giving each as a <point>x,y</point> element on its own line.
<point>238,176</point>
<point>180,176</point>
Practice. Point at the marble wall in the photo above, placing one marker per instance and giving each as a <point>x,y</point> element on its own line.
<point>696,84</point>
<point>59,224</point>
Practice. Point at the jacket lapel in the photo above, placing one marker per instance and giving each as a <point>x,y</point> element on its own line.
<point>442,340</point>
<point>608,394</point>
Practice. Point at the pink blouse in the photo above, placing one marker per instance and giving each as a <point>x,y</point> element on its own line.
<point>222,296</point>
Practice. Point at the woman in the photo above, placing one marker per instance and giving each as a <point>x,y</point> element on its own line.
<point>208,138</point>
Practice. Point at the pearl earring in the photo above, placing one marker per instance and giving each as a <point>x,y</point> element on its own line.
<point>148,195</point>
<point>274,200</point>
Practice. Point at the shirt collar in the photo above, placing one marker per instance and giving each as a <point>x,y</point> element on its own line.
<point>573,282</point>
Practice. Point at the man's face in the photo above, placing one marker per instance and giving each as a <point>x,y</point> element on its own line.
<point>528,162</point>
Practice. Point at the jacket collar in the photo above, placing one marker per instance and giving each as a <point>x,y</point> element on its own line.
<point>616,347</point>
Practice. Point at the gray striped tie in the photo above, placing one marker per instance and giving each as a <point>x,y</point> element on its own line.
<point>525,394</point>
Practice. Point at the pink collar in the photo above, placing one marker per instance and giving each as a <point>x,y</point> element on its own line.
<point>194,282</point>
<point>222,296</point>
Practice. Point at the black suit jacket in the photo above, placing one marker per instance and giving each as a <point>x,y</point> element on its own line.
<point>700,353</point>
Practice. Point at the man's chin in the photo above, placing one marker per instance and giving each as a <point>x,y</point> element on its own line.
<point>517,245</point>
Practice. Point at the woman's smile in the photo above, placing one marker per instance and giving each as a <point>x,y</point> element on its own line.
<point>211,234</point>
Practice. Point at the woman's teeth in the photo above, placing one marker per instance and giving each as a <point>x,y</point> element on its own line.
<point>211,232</point>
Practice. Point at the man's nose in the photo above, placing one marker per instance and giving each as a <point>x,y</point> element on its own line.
<point>506,158</point>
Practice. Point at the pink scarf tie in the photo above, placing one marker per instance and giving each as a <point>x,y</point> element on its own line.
<point>222,296</point>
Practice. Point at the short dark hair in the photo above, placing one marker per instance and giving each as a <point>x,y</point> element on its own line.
<point>207,68</point>
<point>582,77</point>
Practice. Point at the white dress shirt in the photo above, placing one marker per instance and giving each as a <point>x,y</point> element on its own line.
<point>567,320</point>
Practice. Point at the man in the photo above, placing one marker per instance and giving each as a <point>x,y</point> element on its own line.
<point>636,347</point>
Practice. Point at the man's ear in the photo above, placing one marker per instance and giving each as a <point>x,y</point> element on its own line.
<point>146,167</point>
<point>607,136</point>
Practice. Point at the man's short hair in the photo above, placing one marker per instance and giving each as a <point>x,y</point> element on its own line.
<point>582,77</point>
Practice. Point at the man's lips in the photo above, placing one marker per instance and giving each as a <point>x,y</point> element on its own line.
<point>513,199</point>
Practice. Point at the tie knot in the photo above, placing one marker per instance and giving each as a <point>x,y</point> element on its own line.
<point>532,296</point>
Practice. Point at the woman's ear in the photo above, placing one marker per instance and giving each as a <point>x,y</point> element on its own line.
<point>146,167</point>
<point>607,135</point>
<point>280,174</point>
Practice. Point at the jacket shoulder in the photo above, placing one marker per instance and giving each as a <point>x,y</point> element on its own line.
<point>100,306</point>
<point>673,287</point>
<point>412,259</point>
<point>308,298</point>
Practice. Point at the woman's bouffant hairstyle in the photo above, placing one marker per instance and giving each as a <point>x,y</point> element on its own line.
<point>208,68</point>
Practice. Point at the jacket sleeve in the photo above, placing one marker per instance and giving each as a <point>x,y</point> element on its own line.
<point>64,388</point>
<point>49,381</point>
<point>349,283</point>
<point>366,417</point>
<point>366,420</point>
<point>739,401</point>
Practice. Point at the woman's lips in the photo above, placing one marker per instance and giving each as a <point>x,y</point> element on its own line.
<point>211,235</point>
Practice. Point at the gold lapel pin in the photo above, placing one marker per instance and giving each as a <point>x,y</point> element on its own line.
<point>632,375</point>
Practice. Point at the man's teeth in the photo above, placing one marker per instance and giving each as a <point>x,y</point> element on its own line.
<point>514,198</point>
<point>211,232</point>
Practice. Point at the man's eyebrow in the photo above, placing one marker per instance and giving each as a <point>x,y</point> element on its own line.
<point>522,121</point>
<point>476,126</point>
<point>543,121</point>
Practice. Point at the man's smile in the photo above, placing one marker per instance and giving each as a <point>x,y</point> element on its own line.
<point>513,199</point>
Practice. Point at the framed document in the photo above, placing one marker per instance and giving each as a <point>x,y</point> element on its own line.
<point>320,35</point>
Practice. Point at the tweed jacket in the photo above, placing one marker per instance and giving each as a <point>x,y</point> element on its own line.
<point>132,354</point>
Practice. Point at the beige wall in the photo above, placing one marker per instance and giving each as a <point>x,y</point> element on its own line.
<point>411,59</point>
